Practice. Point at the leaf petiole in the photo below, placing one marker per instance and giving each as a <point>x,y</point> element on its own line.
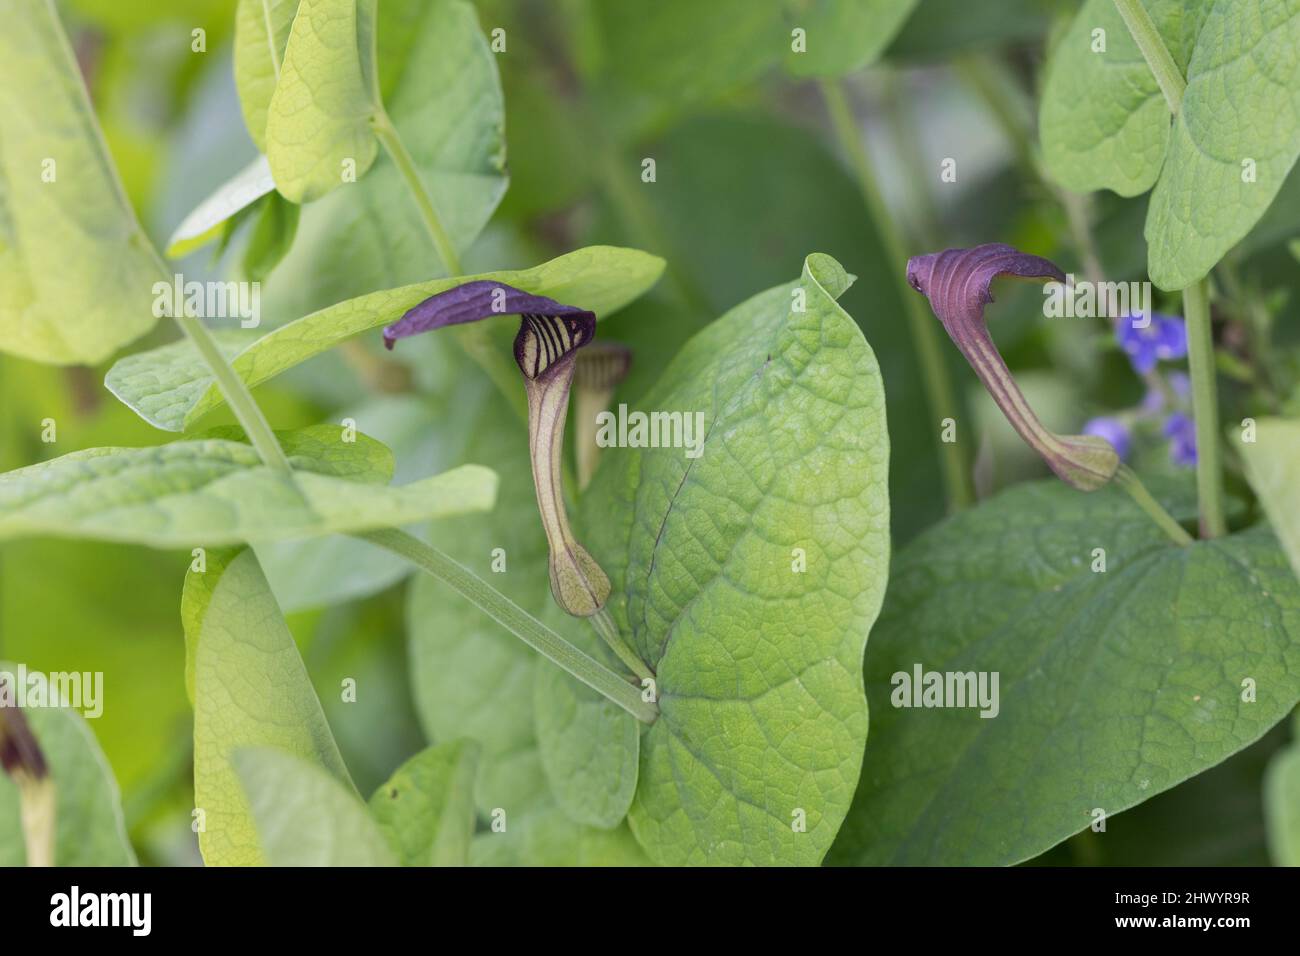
<point>516,620</point>
<point>1127,479</point>
<point>604,625</point>
<point>1154,51</point>
<point>1205,408</point>
<point>388,137</point>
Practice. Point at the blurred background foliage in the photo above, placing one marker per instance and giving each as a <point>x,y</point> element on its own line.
<point>749,179</point>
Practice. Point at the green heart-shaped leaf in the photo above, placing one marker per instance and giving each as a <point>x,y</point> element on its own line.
<point>748,577</point>
<point>1113,685</point>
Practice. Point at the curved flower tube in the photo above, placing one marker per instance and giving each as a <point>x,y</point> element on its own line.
<point>545,348</point>
<point>956,281</point>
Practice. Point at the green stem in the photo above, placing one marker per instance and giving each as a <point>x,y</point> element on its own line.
<point>1205,408</point>
<point>925,334</point>
<point>516,620</point>
<point>603,622</point>
<point>1129,481</point>
<point>236,394</point>
<point>1153,48</point>
<point>387,135</point>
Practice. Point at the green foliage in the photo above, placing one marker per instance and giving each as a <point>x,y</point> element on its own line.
<point>171,389</point>
<point>249,689</point>
<point>76,271</point>
<point>762,716</point>
<point>1114,685</point>
<point>426,809</point>
<point>1234,139</point>
<point>304,816</point>
<point>217,492</point>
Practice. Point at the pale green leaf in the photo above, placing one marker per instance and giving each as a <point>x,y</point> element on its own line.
<point>1273,467</point>
<point>304,816</point>
<point>250,689</point>
<point>441,90</point>
<point>205,223</point>
<point>89,829</point>
<point>1234,141</point>
<point>588,744</point>
<point>749,577</point>
<point>426,809</point>
<point>545,836</point>
<point>318,126</point>
<point>169,389</point>
<point>217,492</point>
<point>1103,120</point>
<point>843,35</point>
<point>1112,686</point>
<point>76,271</point>
<point>261,33</point>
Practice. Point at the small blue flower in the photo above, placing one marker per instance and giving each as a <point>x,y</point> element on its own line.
<point>1164,337</point>
<point>1181,432</point>
<point>1113,430</point>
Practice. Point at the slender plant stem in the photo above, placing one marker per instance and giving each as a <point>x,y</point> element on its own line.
<point>1154,51</point>
<point>604,625</point>
<point>1129,481</point>
<point>387,135</point>
<point>1205,408</point>
<point>938,386</point>
<point>236,394</point>
<point>516,620</point>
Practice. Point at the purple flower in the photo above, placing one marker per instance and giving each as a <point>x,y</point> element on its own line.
<point>1164,337</point>
<point>1113,430</point>
<point>546,347</point>
<point>956,281</point>
<point>1180,429</point>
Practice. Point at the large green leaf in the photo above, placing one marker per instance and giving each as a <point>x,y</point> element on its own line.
<point>76,271</point>
<point>170,389</point>
<point>304,816</point>
<point>261,33</point>
<point>1242,106</point>
<point>1113,686</point>
<point>749,577</point>
<point>1273,467</point>
<point>1104,122</point>
<point>325,100</point>
<point>439,85</point>
<point>545,836</point>
<point>88,813</point>
<point>217,492</point>
<point>250,689</point>
<point>588,744</point>
<point>426,809</point>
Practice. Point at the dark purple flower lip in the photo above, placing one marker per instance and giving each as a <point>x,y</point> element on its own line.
<point>548,330</point>
<point>956,281</point>
<point>20,754</point>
